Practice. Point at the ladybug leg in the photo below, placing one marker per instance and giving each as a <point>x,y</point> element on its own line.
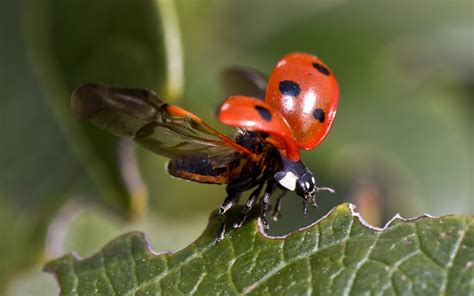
<point>305,207</point>
<point>226,205</point>
<point>228,202</point>
<point>265,199</point>
<point>276,214</point>
<point>237,198</point>
<point>313,202</point>
<point>221,232</point>
<point>249,205</point>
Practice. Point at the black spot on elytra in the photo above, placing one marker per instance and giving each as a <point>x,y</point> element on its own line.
<point>319,114</point>
<point>321,69</point>
<point>289,88</point>
<point>264,112</point>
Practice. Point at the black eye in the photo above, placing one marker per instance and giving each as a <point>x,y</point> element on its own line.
<point>289,88</point>
<point>319,115</point>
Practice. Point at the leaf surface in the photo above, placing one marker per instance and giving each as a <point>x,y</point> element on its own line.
<point>338,255</point>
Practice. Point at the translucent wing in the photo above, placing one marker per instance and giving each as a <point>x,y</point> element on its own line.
<point>164,129</point>
<point>244,81</point>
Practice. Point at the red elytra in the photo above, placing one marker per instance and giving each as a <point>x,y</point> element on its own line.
<point>302,95</point>
<point>304,90</point>
<point>254,114</point>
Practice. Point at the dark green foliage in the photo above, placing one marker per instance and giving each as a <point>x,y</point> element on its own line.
<point>338,255</point>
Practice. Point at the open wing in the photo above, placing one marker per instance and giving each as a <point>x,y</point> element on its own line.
<point>244,82</point>
<point>164,129</point>
<point>256,115</point>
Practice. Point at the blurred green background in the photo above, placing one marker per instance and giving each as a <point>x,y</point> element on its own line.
<point>402,140</point>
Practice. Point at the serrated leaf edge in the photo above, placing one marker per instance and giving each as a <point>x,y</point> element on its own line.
<point>354,213</point>
<point>261,231</point>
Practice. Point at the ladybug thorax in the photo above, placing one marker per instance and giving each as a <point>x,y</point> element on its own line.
<point>305,92</point>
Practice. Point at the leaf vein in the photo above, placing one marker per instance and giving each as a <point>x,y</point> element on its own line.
<point>134,263</point>
<point>281,266</point>
<point>76,278</point>
<point>359,265</point>
<point>106,274</point>
<point>231,264</point>
<point>198,283</point>
<point>396,266</point>
<point>422,249</point>
<point>159,277</point>
<point>452,256</point>
<point>310,277</point>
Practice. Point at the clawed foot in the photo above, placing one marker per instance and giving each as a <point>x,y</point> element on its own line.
<point>239,223</point>
<point>221,232</point>
<point>276,215</point>
<point>264,222</point>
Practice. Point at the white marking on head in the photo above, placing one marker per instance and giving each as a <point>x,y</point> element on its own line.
<point>306,184</point>
<point>289,181</point>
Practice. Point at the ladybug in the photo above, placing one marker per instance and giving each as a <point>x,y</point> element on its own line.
<point>294,109</point>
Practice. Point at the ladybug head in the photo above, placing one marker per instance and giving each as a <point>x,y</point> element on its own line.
<point>306,185</point>
<point>295,176</point>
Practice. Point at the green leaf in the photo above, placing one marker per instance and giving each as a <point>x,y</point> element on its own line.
<point>337,255</point>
